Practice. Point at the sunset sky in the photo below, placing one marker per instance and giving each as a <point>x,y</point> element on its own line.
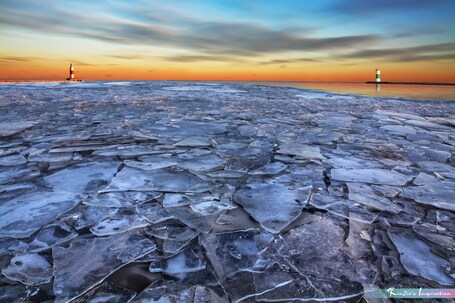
<point>283,40</point>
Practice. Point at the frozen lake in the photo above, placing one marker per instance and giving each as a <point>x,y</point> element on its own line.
<point>221,192</point>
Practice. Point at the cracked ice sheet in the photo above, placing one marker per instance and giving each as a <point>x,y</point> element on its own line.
<point>374,176</point>
<point>431,191</point>
<point>29,269</point>
<point>274,206</point>
<point>417,258</point>
<point>11,128</point>
<point>86,262</point>
<point>365,195</point>
<point>82,178</point>
<point>131,179</point>
<point>315,251</point>
<point>301,151</point>
<point>51,235</point>
<point>24,215</point>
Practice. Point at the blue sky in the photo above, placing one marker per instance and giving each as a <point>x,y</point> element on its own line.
<point>197,37</point>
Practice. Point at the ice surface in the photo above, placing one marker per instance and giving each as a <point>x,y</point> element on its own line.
<point>51,235</point>
<point>210,207</point>
<point>274,206</point>
<point>108,293</point>
<point>86,261</point>
<point>18,173</point>
<point>365,195</point>
<point>214,177</point>
<point>156,180</point>
<point>30,269</point>
<point>269,169</point>
<point>301,151</point>
<point>232,251</point>
<point>82,178</point>
<point>174,237</point>
<point>11,128</point>
<point>374,176</point>
<point>205,163</point>
<point>12,160</point>
<point>91,215</point>
<point>417,258</point>
<point>122,221</point>
<point>24,215</point>
<point>179,265</point>
<point>194,142</point>
<point>439,194</point>
<point>107,200</point>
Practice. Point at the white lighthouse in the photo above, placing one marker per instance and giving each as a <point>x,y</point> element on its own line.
<point>378,75</point>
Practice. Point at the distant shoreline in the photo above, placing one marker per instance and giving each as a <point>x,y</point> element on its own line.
<point>412,83</point>
<point>25,81</point>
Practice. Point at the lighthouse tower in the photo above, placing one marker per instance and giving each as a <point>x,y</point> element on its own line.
<point>71,72</point>
<point>378,75</point>
<point>71,77</point>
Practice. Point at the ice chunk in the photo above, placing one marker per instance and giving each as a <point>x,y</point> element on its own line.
<point>15,174</point>
<point>11,128</point>
<point>157,180</point>
<point>439,194</point>
<point>365,195</point>
<point>12,160</point>
<point>108,200</point>
<point>92,215</point>
<point>174,237</point>
<point>232,251</point>
<point>301,151</point>
<point>86,262</point>
<point>269,169</point>
<point>206,163</point>
<point>24,215</point>
<point>123,221</point>
<point>30,269</point>
<point>108,293</point>
<point>82,178</point>
<point>417,258</point>
<point>374,176</point>
<point>210,207</point>
<point>165,294</point>
<point>399,129</point>
<point>152,165</point>
<point>179,265</point>
<point>50,157</point>
<point>441,168</point>
<point>51,235</point>
<point>343,208</point>
<point>274,206</point>
<point>351,162</point>
<point>194,142</point>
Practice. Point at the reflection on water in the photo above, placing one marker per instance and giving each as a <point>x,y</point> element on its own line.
<point>421,92</point>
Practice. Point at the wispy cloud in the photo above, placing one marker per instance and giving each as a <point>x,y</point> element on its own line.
<point>374,7</point>
<point>204,37</point>
<point>432,52</point>
<point>287,61</point>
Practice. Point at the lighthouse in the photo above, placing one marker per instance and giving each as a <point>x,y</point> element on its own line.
<point>71,77</point>
<point>378,75</point>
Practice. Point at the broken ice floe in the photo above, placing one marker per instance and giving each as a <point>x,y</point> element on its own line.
<point>22,216</point>
<point>248,200</point>
<point>82,178</point>
<point>274,206</point>
<point>11,128</point>
<point>374,176</point>
<point>30,269</point>
<point>86,262</point>
<point>131,179</point>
